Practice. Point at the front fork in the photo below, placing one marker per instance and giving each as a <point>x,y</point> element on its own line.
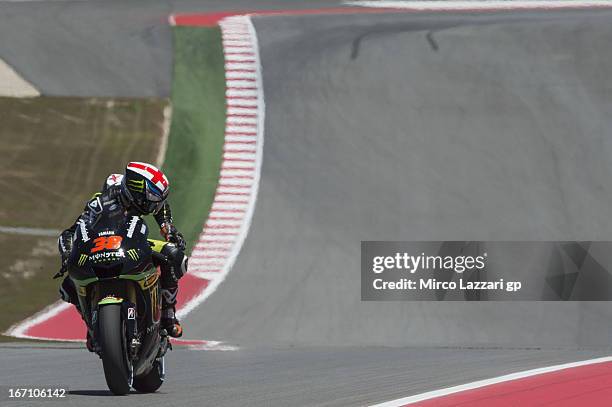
<point>129,315</point>
<point>128,311</point>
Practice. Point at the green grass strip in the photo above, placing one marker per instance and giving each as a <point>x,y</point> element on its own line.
<point>193,158</point>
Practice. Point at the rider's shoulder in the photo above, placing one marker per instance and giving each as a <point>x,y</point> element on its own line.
<point>107,199</point>
<point>111,181</point>
<point>95,204</point>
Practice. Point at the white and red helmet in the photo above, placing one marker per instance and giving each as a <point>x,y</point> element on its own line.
<point>145,187</point>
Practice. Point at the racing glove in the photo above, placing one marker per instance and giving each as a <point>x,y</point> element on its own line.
<point>172,235</point>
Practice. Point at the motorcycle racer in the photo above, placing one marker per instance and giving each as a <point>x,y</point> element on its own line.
<point>142,190</point>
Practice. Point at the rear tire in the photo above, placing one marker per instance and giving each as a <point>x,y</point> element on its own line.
<point>150,382</point>
<point>113,349</point>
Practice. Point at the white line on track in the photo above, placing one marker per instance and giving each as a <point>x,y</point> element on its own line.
<point>488,382</point>
<point>442,5</point>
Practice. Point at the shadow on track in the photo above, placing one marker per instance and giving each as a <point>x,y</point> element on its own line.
<point>91,393</point>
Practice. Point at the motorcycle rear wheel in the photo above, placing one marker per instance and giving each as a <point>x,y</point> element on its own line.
<point>113,349</point>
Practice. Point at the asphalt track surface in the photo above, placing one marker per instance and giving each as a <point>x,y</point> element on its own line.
<point>111,48</point>
<point>412,127</point>
<point>363,152</point>
<point>268,377</point>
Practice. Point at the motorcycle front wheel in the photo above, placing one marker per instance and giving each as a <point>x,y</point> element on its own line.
<point>112,339</point>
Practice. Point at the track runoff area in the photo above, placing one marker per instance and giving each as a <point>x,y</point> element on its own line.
<point>584,383</point>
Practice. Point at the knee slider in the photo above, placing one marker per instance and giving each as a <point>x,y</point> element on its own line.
<point>68,292</point>
<point>176,266</point>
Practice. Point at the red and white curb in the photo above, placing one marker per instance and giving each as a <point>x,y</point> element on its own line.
<point>230,216</point>
<point>568,384</point>
<point>232,209</point>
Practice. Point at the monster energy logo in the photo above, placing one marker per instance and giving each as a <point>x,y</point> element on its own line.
<point>82,259</point>
<point>136,185</point>
<point>133,254</point>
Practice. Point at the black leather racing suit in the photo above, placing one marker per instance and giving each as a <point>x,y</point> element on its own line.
<point>110,198</point>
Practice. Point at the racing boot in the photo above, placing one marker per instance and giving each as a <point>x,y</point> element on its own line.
<point>89,342</point>
<point>169,322</point>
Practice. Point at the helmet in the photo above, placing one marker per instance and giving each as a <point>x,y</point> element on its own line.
<point>144,187</point>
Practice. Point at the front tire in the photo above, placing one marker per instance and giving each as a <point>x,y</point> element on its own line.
<point>113,349</point>
<point>153,380</point>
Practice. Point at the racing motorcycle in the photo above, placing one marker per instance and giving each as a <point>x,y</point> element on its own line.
<point>113,267</point>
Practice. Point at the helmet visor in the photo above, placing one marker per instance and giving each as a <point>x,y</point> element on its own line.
<point>154,198</point>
